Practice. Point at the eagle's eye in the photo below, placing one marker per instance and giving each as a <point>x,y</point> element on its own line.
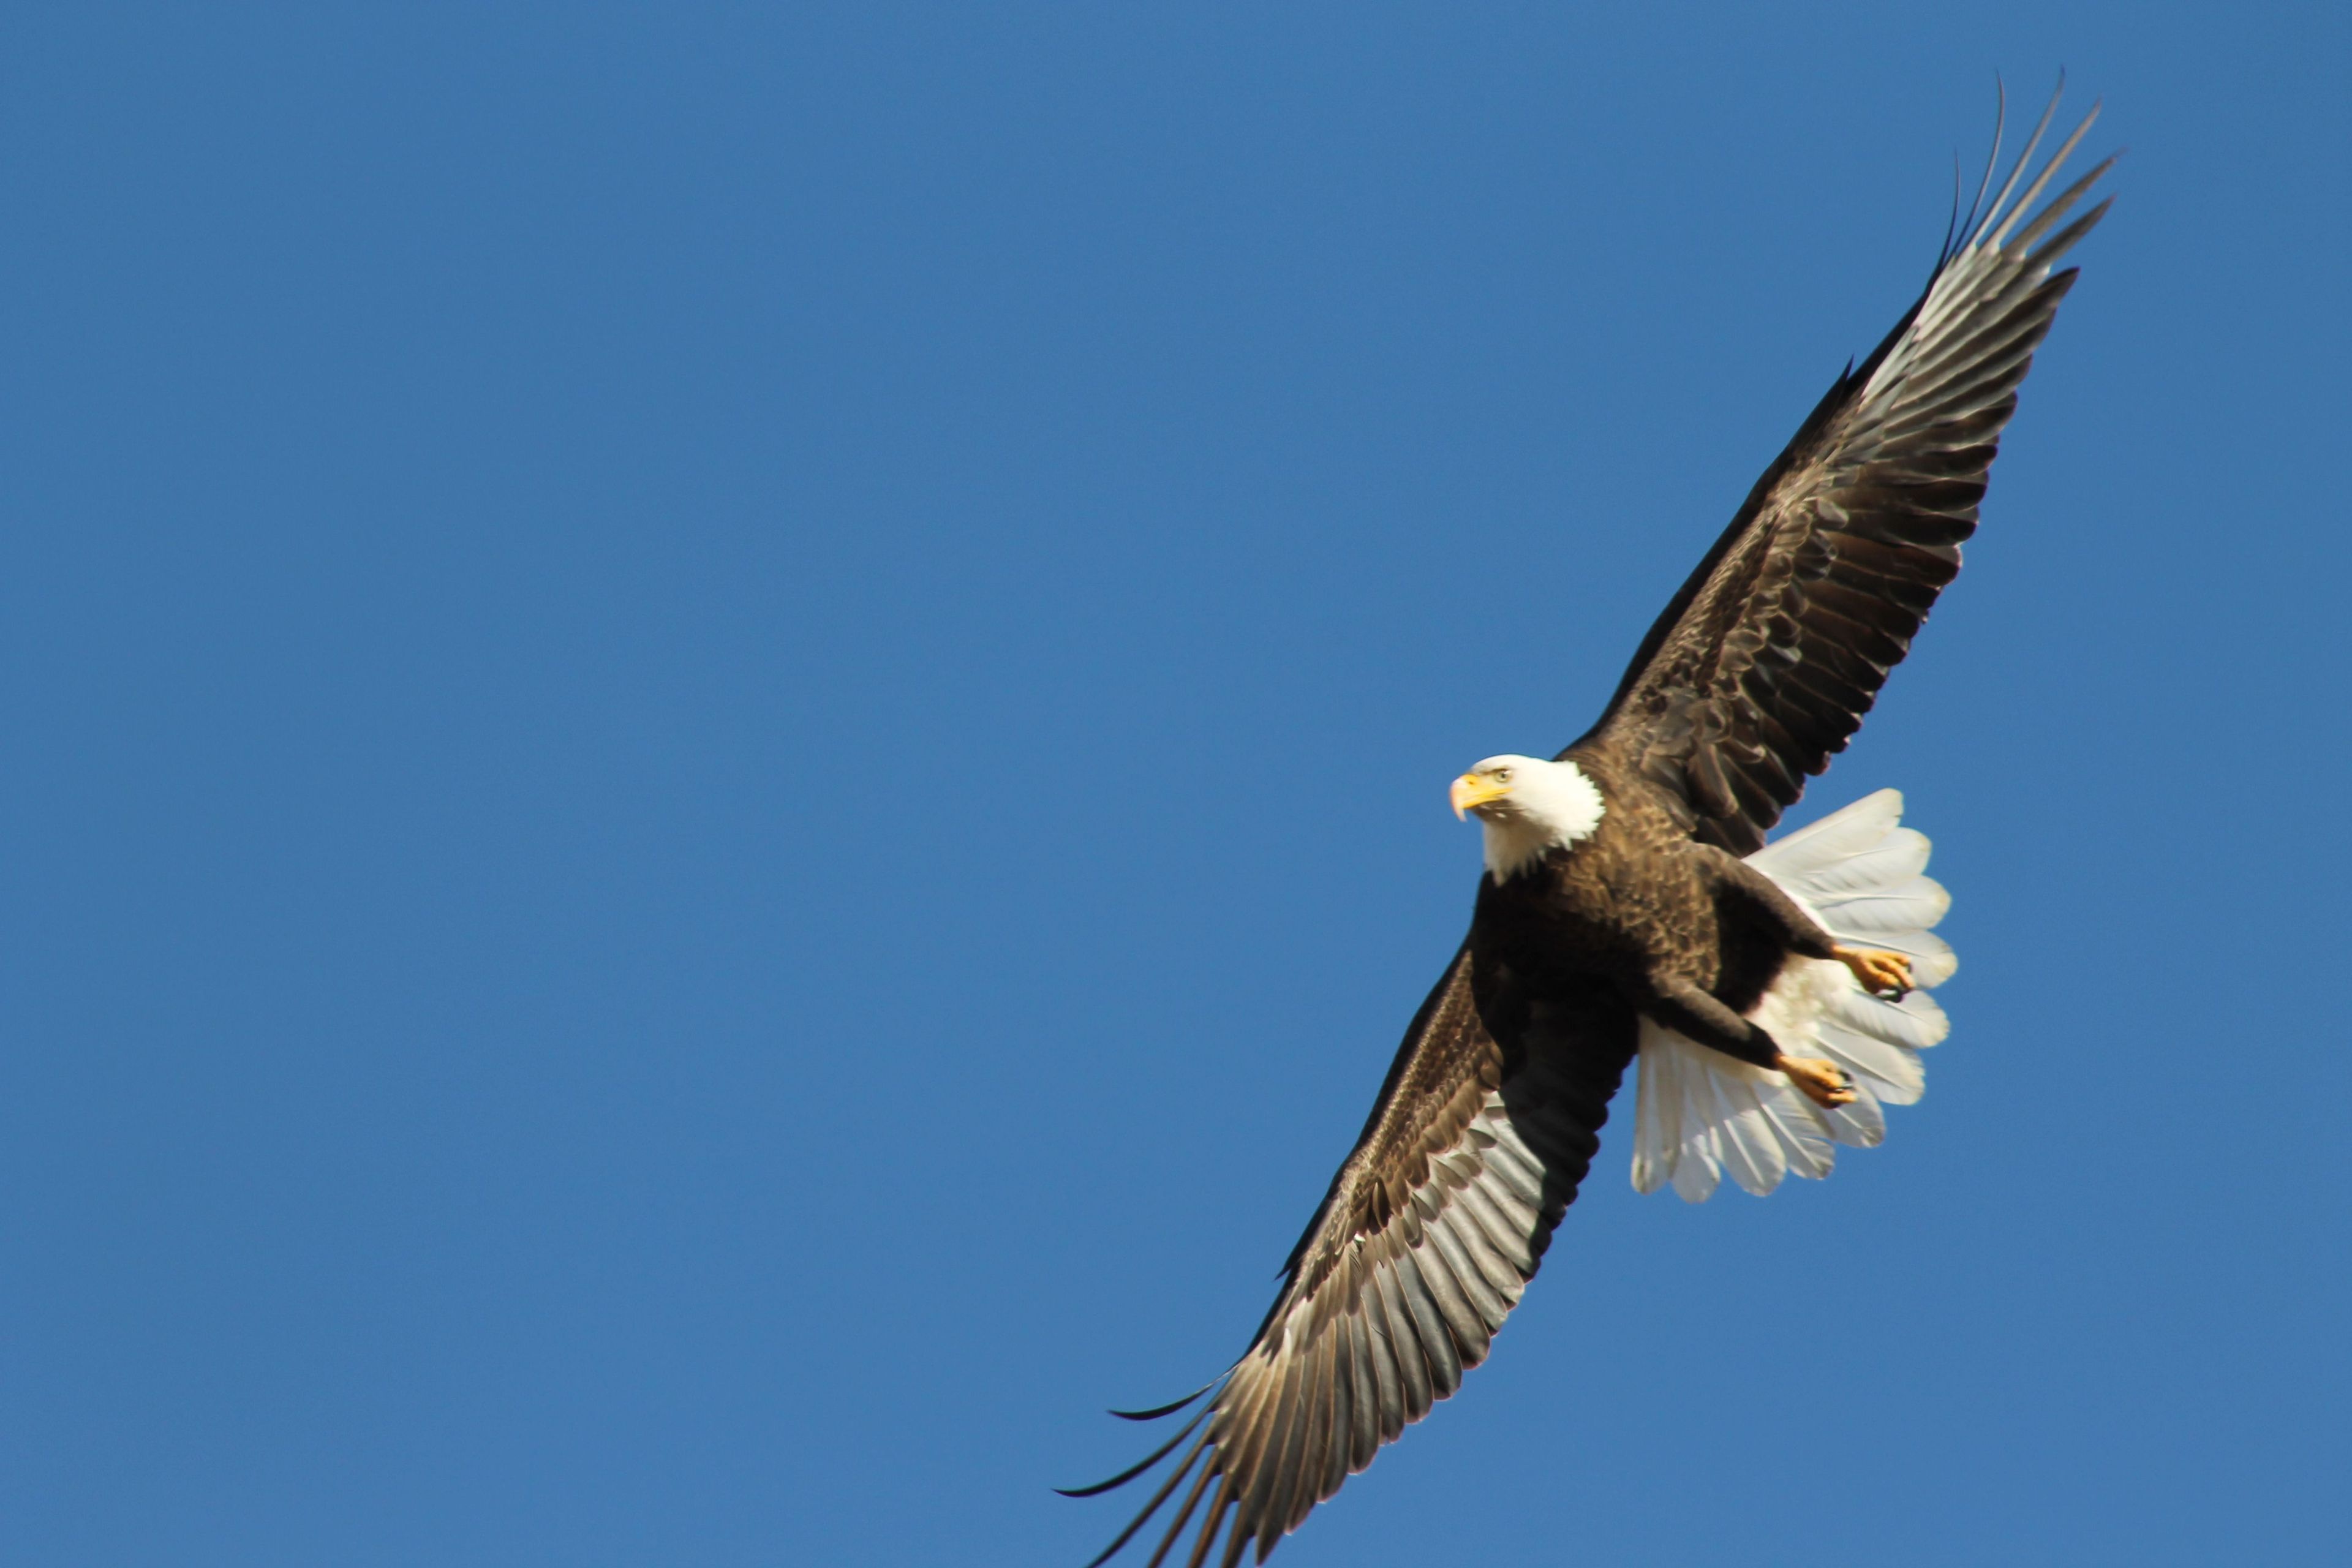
<point>1502,775</point>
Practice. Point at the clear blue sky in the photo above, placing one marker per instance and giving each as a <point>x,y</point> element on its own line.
<point>726,743</point>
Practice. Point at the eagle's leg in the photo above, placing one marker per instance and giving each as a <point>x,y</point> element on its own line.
<point>1695,1014</point>
<point>1879,971</point>
<point>1691,1012</point>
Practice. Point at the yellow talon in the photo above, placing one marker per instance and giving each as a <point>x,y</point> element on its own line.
<point>1880,972</point>
<point>1822,1082</point>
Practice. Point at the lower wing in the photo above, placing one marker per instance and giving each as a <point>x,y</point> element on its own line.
<point>1430,1232</point>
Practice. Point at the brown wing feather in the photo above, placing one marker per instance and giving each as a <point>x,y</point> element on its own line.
<point>1763,665</point>
<point>1432,1227</point>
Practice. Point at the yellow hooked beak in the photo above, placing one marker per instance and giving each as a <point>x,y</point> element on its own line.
<point>1471,791</point>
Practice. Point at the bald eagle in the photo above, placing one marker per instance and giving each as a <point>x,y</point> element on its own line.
<point>1630,909</point>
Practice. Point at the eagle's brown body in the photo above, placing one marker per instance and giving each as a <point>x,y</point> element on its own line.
<point>1681,930</point>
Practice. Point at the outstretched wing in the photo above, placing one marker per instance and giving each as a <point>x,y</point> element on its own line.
<point>1488,1120</point>
<point>1765,662</point>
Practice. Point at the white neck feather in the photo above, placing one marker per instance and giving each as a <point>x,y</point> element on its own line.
<point>1552,805</point>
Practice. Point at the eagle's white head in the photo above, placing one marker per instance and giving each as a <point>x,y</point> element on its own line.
<point>1528,806</point>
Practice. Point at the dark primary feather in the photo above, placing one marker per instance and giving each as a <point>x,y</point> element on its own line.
<point>1763,665</point>
<point>1760,669</point>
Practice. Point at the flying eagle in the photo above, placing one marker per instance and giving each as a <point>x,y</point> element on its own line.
<point>1630,909</point>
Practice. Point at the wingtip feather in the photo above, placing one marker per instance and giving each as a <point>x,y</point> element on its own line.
<point>1168,1409</point>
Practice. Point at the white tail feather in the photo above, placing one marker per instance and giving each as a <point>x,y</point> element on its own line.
<point>1702,1115</point>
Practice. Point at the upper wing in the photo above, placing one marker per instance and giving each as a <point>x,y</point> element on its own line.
<point>1765,662</point>
<point>1433,1226</point>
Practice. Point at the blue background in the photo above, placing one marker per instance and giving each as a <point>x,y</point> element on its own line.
<point>726,743</point>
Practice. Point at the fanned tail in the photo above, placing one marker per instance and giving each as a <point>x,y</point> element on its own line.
<point>1702,1114</point>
